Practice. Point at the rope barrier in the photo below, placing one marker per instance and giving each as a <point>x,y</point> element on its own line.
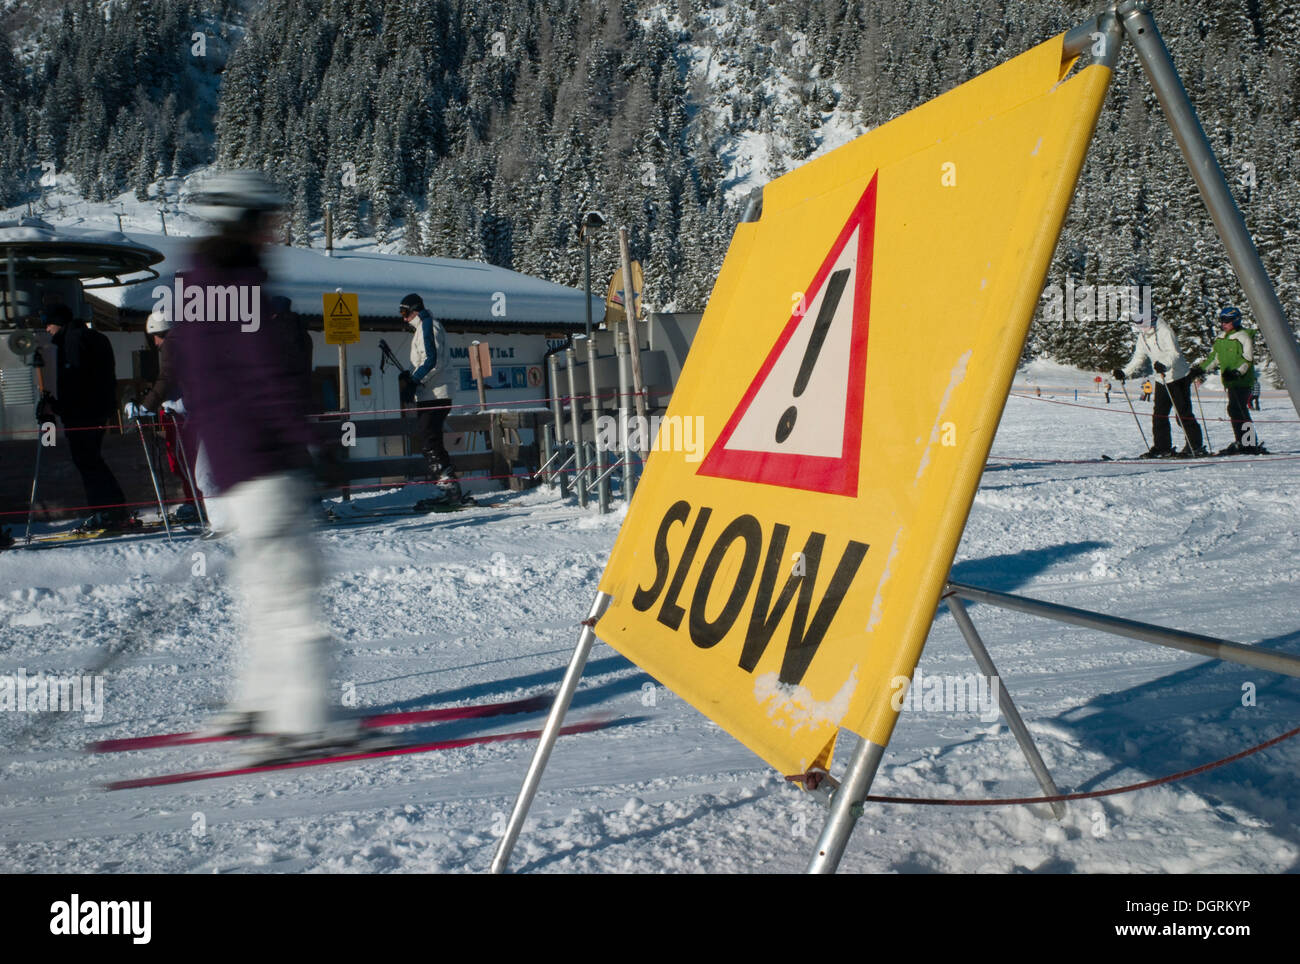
<point>540,403</point>
<point>1200,462</point>
<point>1090,795</point>
<point>1171,415</point>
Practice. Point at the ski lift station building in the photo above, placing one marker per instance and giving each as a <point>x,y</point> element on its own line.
<point>112,279</point>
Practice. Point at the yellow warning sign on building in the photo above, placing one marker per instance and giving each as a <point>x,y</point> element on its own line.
<point>847,379</point>
<point>342,322</point>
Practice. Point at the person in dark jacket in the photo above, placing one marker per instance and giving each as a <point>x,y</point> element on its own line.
<point>85,400</point>
<point>246,396</point>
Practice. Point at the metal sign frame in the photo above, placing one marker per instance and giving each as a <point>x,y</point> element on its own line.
<point>1103,35</point>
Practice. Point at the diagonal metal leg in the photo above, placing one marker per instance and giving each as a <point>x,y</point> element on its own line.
<point>846,807</point>
<point>1005,702</point>
<point>549,735</point>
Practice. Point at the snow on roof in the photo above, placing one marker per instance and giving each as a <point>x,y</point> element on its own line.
<point>41,250</point>
<point>452,289</point>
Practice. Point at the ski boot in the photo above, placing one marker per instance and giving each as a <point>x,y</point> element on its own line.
<point>1187,452</point>
<point>1155,453</point>
<point>338,736</point>
<point>229,723</point>
<point>186,515</point>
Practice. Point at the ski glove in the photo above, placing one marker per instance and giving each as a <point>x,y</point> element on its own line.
<point>405,387</point>
<point>132,410</point>
<point>1118,374</point>
<point>47,407</point>
<point>1160,367</point>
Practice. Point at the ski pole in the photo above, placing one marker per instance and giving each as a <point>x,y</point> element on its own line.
<point>31,507</point>
<point>189,475</point>
<point>38,363</point>
<point>162,509</point>
<point>1196,385</point>
<point>1124,387</point>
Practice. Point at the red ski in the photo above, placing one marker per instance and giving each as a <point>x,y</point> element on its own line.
<point>400,749</point>
<point>404,718</point>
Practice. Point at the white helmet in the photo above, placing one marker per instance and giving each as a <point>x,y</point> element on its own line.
<point>158,323</point>
<point>231,197</point>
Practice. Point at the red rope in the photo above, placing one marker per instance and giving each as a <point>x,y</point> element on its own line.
<point>1093,794</point>
<point>1120,411</point>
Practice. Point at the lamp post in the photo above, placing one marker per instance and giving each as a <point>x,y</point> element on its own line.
<point>591,222</point>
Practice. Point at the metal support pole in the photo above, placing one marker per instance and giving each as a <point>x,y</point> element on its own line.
<point>1086,36</point>
<point>621,350</point>
<point>1006,703</point>
<point>549,735</point>
<point>575,420</point>
<point>630,313</point>
<point>846,807</point>
<point>1256,656</point>
<point>599,480</point>
<point>1228,223</point>
<point>557,419</point>
<point>548,454</point>
<point>586,278</point>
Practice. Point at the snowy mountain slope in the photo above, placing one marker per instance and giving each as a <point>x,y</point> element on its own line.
<point>484,605</point>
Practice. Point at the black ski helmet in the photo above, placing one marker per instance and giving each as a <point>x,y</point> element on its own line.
<point>1232,316</point>
<point>412,302</point>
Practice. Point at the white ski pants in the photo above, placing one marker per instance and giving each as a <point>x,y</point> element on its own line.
<point>278,569</point>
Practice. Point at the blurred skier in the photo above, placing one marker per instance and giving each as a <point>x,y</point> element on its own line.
<point>248,408</point>
<point>427,383</point>
<point>1233,353</point>
<point>1157,343</point>
<point>85,401</point>
<point>163,400</point>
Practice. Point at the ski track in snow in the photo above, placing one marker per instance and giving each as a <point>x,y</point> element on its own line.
<point>484,605</point>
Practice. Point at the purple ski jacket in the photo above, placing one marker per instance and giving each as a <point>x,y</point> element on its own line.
<point>244,390</point>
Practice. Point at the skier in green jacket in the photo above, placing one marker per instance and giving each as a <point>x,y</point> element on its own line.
<point>1233,353</point>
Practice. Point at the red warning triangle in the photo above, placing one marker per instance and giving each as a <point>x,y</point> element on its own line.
<point>799,424</point>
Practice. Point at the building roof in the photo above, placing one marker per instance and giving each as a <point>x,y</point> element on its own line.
<point>480,295</point>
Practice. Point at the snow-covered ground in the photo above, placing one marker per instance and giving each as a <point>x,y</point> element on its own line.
<point>483,605</point>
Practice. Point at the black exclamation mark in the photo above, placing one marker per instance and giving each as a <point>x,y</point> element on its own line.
<point>834,289</point>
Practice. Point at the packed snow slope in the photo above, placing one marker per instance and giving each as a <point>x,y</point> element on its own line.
<point>484,604</point>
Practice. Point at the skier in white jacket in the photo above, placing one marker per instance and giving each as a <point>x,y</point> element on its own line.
<point>1157,343</point>
<point>426,383</point>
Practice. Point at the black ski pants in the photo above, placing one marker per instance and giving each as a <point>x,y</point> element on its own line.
<point>84,443</point>
<point>1176,394</point>
<point>433,414</point>
<point>1239,412</point>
